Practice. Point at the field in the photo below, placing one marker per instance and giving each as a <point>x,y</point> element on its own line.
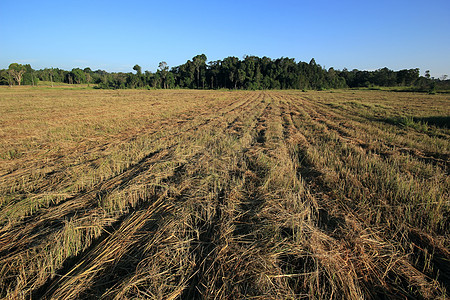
<point>184,194</point>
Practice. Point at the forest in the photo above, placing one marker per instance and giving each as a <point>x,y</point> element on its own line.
<point>250,73</point>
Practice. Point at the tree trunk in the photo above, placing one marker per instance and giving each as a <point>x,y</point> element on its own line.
<point>198,77</point>
<point>10,80</point>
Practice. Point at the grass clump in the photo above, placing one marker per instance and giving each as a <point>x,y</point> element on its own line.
<point>410,122</point>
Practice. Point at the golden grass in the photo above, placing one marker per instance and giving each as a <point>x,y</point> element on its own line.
<point>203,194</point>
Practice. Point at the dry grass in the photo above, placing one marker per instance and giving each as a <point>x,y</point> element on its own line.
<point>205,194</point>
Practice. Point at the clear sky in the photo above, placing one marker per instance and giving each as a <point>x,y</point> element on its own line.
<point>116,35</point>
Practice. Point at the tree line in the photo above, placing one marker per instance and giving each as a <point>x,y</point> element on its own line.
<point>250,73</point>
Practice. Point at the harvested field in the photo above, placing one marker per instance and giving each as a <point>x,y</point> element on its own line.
<point>183,194</point>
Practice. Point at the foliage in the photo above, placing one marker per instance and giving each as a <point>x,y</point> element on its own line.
<point>16,71</point>
<point>250,73</point>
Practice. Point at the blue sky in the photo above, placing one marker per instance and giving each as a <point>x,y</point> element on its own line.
<point>116,35</point>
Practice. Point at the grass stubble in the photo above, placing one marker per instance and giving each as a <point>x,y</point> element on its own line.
<point>204,194</point>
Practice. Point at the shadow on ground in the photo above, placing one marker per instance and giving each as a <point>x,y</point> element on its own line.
<point>437,121</point>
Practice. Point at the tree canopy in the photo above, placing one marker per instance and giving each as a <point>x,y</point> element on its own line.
<point>251,73</point>
<point>16,71</point>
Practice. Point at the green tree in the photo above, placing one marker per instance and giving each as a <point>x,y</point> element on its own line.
<point>407,76</point>
<point>138,69</point>
<point>16,71</point>
<point>78,76</point>
<point>229,66</point>
<point>241,76</point>
<point>214,72</point>
<point>199,62</point>
<point>170,80</point>
<point>29,77</point>
<point>163,69</point>
<point>88,74</point>
<point>51,75</point>
<point>6,78</point>
<point>258,78</point>
<point>156,80</point>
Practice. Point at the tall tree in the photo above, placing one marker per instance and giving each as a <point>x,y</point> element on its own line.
<point>51,76</point>
<point>199,63</point>
<point>229,67</point>
<point>87,73</point>
<point>214,72</point>
<point>28,77</point>
<point>78,75</point>
<point>163,69</point>
<point>16,71</point>
<point>241,77</point>
<point>138,69</point>
<point>6,78</point>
